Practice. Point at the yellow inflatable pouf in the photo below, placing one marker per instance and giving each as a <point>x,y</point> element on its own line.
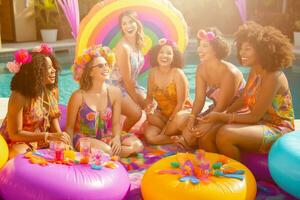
<point>3,151</point>
<point>206,176</point>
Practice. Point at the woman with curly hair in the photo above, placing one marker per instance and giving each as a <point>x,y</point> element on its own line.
<point>94,110</point>
<point>130,60</point>
<point>267,95</point>
<point>168,86</point>
<point>33,108</point>
<point>217,80</point>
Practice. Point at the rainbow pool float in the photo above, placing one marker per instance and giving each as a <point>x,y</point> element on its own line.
<point>160,19</point>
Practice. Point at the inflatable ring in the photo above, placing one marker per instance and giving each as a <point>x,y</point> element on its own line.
<point>258,165</point>
<point>19,179</point>
<point>284,161</point>
<point>160,19</point>
<point>3,151</point>
<point>215,188</point>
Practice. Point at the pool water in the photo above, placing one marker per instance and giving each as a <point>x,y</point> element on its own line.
<point>67,85</point>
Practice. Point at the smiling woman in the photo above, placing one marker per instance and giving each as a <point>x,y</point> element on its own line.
<point>130,61</point>
<point>33,108</point>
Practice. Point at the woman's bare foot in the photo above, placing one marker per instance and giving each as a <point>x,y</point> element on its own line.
<point>181,143</point>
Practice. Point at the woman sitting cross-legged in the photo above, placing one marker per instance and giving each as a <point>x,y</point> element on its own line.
<point>94,110</point>
<point>168,86</point>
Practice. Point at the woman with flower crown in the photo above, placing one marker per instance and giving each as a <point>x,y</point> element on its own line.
<point>94,110</point>
<point>33,112</point>
<point>168,86</point>
<point>216,79</point>
<point>130,61</point>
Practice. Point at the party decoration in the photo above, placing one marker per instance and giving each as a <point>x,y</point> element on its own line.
<point>160,19</point>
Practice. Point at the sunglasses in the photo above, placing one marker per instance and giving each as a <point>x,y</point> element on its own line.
<point>101,65</point>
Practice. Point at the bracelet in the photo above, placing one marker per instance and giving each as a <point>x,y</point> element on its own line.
<point>46,137</point>
<point>231,118</point>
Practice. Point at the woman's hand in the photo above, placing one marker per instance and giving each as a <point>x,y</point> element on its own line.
<point>212,117</point>
<point>60,136</point>
<point>191,122</point>
<point>116,145</point>
<point>150,108</point>
<point>201,129</point>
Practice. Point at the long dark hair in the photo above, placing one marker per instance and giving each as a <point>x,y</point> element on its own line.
<point>29,81</point>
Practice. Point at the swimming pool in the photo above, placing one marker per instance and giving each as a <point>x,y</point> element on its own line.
<point>67,85</point>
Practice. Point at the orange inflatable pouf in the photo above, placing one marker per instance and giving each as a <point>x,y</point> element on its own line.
<point>167,186</point>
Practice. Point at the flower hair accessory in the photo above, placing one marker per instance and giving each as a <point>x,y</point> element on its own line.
<point>164,41</point>
<point>43,48</point>
<point>21,56</point>
<point>203,35</point>
<point>90,53</point>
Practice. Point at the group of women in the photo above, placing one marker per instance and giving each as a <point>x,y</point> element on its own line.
<point>246,116</point>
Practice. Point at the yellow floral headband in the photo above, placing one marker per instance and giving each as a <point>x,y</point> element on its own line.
<point>90,53</point>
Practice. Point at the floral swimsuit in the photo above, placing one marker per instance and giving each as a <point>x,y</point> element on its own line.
<point>167,99</point>
<point>90,123</point>
<point>279,117</point>
<point>36,118</point>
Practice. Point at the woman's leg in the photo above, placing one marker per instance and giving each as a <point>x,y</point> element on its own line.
<point>17,149</point>
<point>208,140</point>
<point>232,138</point>
<point>131,145</point>
<point>132,112</point>
<point>96,143</point>
<point>177,125</point>
<point>153,129</point>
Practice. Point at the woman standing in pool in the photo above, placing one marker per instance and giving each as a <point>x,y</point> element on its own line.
<point>129,63</point>
<point>33,112</point>
<point>94,110</point>
<point>168,86</point>
<point>216,79</point>
<point>267,95</point>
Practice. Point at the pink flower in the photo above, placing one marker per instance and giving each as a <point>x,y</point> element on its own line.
<point>164,41</point>
<point>13,67</point>
<point>107,114</point>
<point>203,35</point>
<point>210,36</point>
<point>43,48</point>
<point>22,56</point>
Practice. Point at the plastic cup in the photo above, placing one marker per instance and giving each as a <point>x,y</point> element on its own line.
<point>96,155</point>
<point>59,148</point>
<point>85,148</point>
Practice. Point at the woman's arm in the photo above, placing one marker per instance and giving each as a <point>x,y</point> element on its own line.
<point>181,90</point>
<point>72,111</point>
<point>228,86</point>
<point>123,62</point>
<point>200,92</point>
<point>268,89</point>
<point>150,87</point>
<point>116,111</point>
<point>16,133</point>
<point>239,103</point>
